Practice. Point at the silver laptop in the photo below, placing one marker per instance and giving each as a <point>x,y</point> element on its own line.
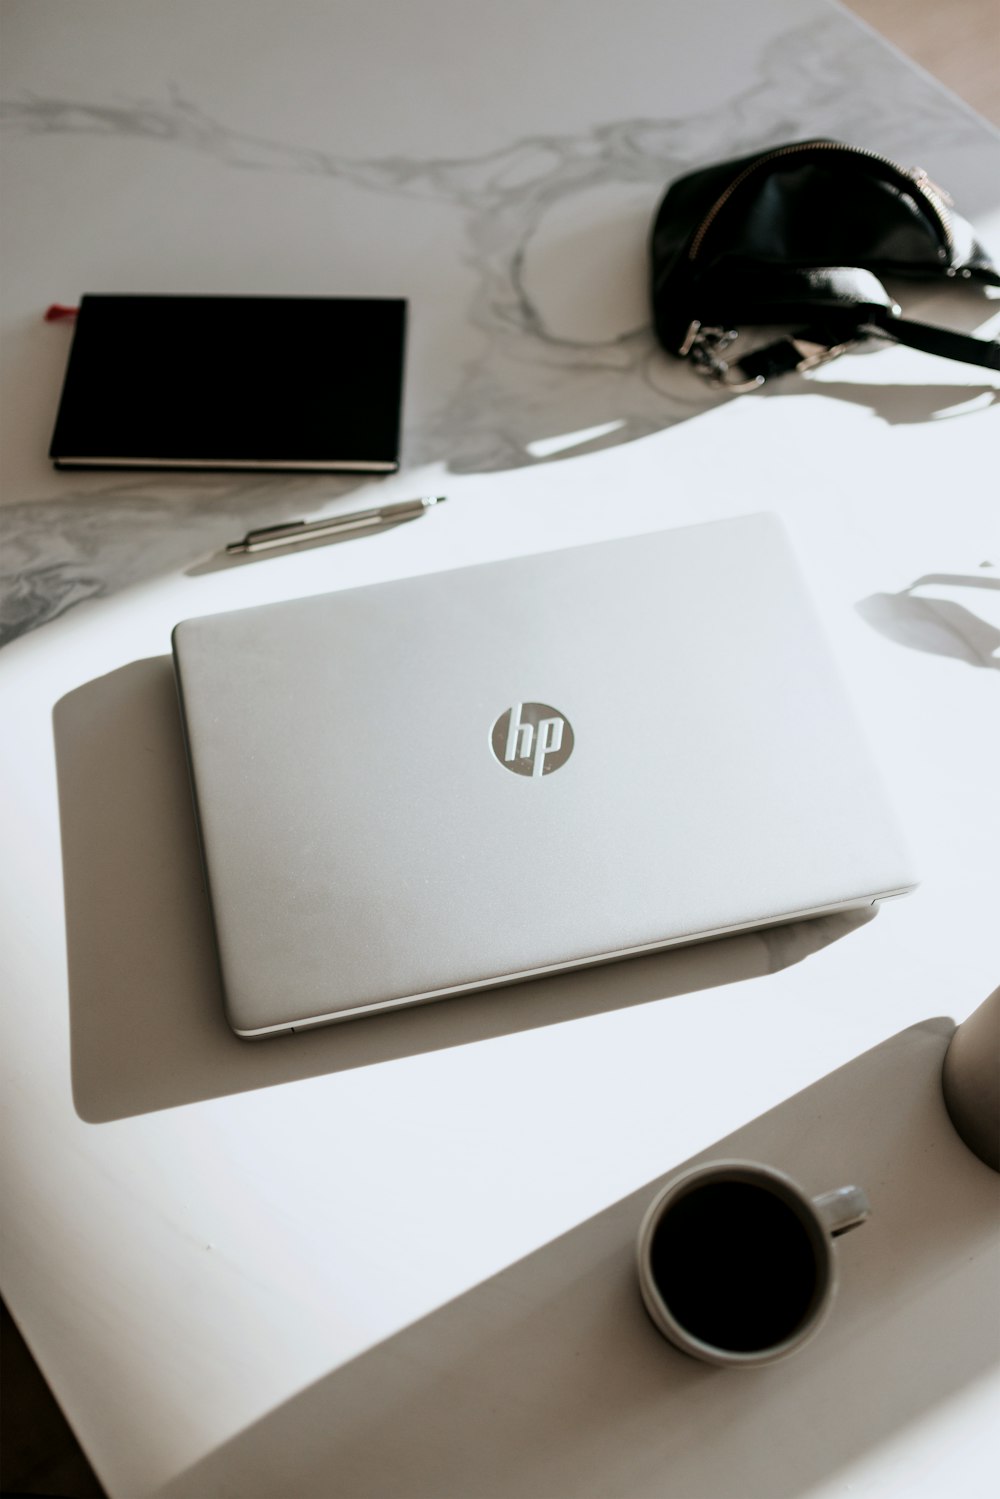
<point>431,786</point>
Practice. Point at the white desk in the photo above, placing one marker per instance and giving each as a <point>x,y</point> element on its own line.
<point>393,1258</point>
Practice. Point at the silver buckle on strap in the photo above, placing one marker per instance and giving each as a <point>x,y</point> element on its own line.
<point>705,348</point>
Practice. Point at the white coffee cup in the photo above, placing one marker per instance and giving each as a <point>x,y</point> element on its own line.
<point>736,1262</point>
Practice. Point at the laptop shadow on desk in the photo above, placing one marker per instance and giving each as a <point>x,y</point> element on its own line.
<point>549,1379</point>
<point>147,1028</point>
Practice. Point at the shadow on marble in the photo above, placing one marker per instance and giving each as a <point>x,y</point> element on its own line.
<point>147,1029</point>
<point>938,626</point>
<point>92,542</point>
<point>549,1379</point>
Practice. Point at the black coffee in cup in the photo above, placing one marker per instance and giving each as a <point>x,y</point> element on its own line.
<point>736,1265</point>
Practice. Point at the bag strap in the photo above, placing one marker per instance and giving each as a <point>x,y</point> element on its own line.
<point>833,308</point>
<point>815,345</point>
<point>984,352</point>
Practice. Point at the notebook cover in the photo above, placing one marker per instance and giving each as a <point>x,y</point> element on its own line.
<point>244,383</point>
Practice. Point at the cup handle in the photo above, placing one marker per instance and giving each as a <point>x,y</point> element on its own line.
<point>842,1209</point>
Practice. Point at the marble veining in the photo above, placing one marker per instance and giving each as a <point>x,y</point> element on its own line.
<point>59,552</point>
<point>542,354</point>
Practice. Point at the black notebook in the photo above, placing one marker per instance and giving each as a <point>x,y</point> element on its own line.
<point>281,383</point>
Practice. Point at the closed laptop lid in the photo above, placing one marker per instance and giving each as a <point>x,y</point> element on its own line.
<point>424,786</point>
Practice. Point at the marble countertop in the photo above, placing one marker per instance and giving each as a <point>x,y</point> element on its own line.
<point>393,1257</point>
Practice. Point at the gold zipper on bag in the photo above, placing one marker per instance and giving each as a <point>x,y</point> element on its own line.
<point>917,178</point>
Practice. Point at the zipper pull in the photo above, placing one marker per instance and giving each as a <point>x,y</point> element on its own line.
<point>926,183</point>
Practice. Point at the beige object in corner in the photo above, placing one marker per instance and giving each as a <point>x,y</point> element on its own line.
<point>971,1081</point>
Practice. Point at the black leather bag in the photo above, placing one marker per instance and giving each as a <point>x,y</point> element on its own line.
<point>799,236</point>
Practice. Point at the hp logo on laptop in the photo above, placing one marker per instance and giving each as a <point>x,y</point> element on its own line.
<point>532,739</point>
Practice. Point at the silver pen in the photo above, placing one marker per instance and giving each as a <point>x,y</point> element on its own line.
<point>293,532</point>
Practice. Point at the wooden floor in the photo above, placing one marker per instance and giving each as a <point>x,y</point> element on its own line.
<point>956,40</point>
<point>959,42</point>
<point>38,1452</point>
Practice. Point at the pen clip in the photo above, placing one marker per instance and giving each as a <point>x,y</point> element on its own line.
<point>286,528</point>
